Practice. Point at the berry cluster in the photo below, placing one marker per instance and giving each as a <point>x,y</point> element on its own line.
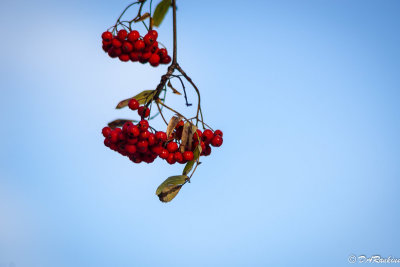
<point>141,142</point>
<point>131,46</point>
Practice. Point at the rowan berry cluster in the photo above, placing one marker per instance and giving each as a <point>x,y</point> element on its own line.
<point>142,143</point>
<point>131,46</point>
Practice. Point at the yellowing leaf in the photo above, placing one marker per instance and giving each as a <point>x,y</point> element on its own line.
<point>143,98</point>
<point>160,12</point>
<point>170,187</point>
<point>187,136</point>
<point>143,17</point>
<point>173,89</point>
<point>172,124</point>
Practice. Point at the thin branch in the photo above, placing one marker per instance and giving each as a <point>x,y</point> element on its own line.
<point>195,88</point>
<point>159,110</point>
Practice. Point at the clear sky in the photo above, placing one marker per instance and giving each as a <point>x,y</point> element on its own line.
<point>306,92</point>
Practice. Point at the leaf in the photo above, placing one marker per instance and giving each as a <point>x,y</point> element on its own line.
<point>143,97</point>
<point>160,12</point>
<point>118,123</point>
<point>187,136</point>
<point>173,89</point>
<point>143,17</point>
<point>170,194</point>
<point>189,165</point>
<point>172,124</point>
<point>170,187</point>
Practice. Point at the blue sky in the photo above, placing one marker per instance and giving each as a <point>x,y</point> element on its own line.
<point>306,93</point>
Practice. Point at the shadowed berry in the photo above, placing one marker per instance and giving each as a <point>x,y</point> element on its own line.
<point>217,141</point>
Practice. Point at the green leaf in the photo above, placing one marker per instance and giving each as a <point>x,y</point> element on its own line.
<point>118,123</point>
<point>143,98</point>
<point>160,12</point>
<point>170,187</point>
<point>190,164</point>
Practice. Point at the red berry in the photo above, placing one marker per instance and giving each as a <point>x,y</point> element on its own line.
<point>133,36</point>
<point>218,132</point>
<point>116,43</point>
<point>172,147</point>
<point>149,39</point>
<point>166,60</point>
<point>142,146</point>
<point>127,47</point>
<point>124,57</point>
<point>146,56</point>
<point>154,60</point>
<point>107,36</point>
<point>207,151</point>
<point>143,125</point>
<point>133,131</point>
<point>121,136</point>
<point>139,45</point>
<point>141,110</point>
<point>106,47</point>
<point>132,140</point>
<point>216,141</point>
<point>171,159</point>
<point>154,48</point>
<point>107,142</point>
<point>197,135</point>
<point>163,153</point>
<point>144,135</point>
<point>162,52</point>
<point>122,34</point>
<point>133,104</point>
<point>130,148</point>
<point>134,56</point>
<point>188,155</point>
<point>207,135</point>
<point>154,33</point>
<point>156,149</point>
<point>178,156</point>
<point>106,131</point>
<point>161,136</point>
<point>126,126</point>
<point>151,139</point>
<point>114,136</point>
<point>114,52</point>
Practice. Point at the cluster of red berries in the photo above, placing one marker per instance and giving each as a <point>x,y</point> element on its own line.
<point>131,46</point>
<point>141,143</point>
<point>135,105</point>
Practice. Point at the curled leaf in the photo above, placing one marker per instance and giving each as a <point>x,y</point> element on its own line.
<point>187,136</point>
<point>173,89</point>
<point>172,124</point>
<point>118,123</point>
<point>160,12</point>
<point>143,98</point>
<point>143,17</point>
<point>170,187</point>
